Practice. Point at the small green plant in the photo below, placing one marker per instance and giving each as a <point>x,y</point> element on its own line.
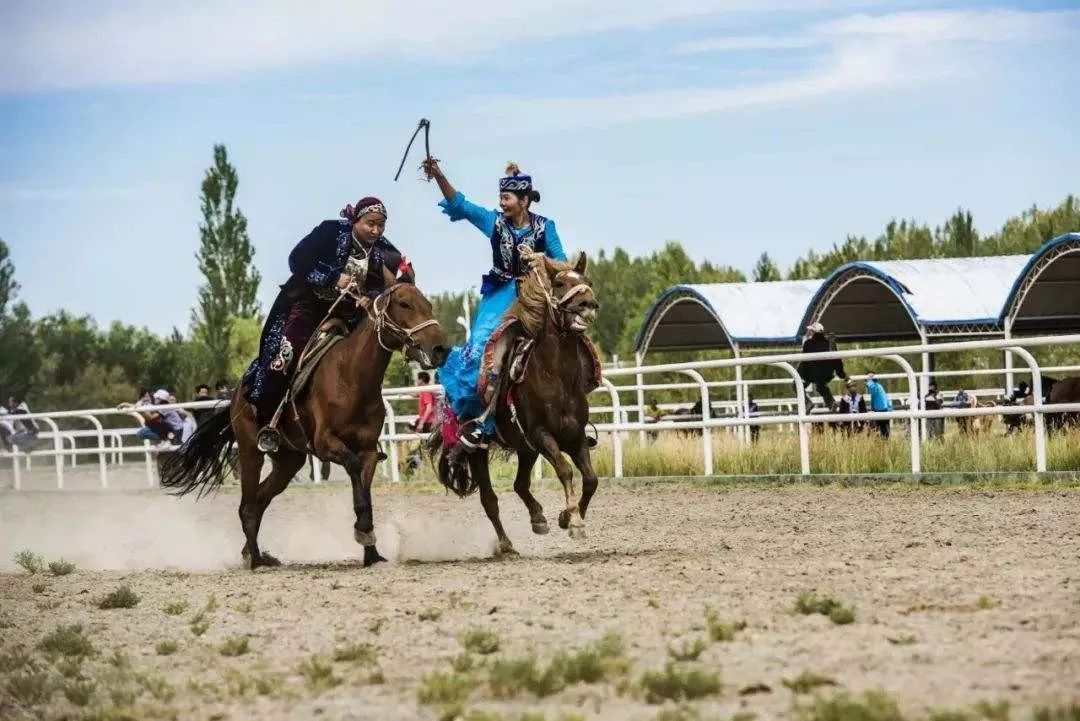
<point>680,713</point>
<point>376,625</point>
<point>39,587</point>
<point>61,567</point>
<point>30,688</point>
<point>15,660</point>
<point>444,689</point>
<point>807,681</point>
<point>992,711</point>
<point>985,603</point>
<point>67,641</point>
<point>318,673</point>
<point>462,663</point>
<point>166,647</point>
<point>840,614</point>
<point>69,667</point>
<point>175,608</point>
<point>720,630</point>
<point>30,562</point>
<point>1058,713</point>
<point>200,622</point>
<point>430,614</point>
<point>871,706</point>
<point>158,688</point>
<point>687,650</point>
<point>234,646</point>
<point>679,684</point>
<point>79,692</point>
<point>510,677</point>
<point>360,654</point>
<point>481,641</point>
<point>948,715</point>
<point>122,597</point>
<point>243,607</point>
<point>593,663</point>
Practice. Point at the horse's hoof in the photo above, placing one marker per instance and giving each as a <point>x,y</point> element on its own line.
<point>268,560</point>
<point>540,527</point>
<point>371,556</point>
<point>364,538</point>
<point>506,548</point>
<point>564,519</point>
<point>577,532</point>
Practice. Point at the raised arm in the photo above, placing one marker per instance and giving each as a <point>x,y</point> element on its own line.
<point>456,206</point>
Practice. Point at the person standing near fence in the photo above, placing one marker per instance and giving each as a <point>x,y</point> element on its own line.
<point>932,401</point>
<point>25,433</point>
<point>425,416</point>
<point>879,403</point>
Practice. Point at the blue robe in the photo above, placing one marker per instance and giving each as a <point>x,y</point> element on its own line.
<point>316,264</point>
<point>460,374</point>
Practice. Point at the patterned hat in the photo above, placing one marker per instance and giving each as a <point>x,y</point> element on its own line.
<point>370,204</point>
<point>515,181</point>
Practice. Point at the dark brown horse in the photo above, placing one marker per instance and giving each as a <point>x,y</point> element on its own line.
<point>338,418</point>
<point>546,413</point>
<point>1066,390</point>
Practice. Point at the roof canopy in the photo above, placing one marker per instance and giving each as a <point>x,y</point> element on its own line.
<point>878,300</point>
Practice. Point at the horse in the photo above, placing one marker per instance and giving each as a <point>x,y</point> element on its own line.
<point>546,410</point>
<point>1066,390</point>
<point>338,417</point>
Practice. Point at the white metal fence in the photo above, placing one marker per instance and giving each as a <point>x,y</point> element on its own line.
<point>786,412</point>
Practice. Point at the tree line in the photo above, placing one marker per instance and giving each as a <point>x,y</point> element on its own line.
<point>64,360</point>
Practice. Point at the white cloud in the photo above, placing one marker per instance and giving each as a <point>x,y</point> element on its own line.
<point>857,53</point>
<point>59,45</point>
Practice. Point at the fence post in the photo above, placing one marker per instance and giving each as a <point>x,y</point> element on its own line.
<point>395,474</point>
<point>102,465</point>
<point>1036,405</point>
<point>913,412</point>
<point>706,433</point>
<point>616,438</point>
<point>639,358</point>
<point>800,404</point>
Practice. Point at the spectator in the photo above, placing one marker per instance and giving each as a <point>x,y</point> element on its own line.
<point>6,430</point>
<point>852,404</point>
<point>224,393</point>
<point>818,373</point>
<point>935,427</point>
<point>24,432</point>
<point>425,419</point>
<point>879,403</point>
<point>653,412</point>
<point>963,400</point>
<point>1022,392</point>
<point>202,393</point>
<point>752,410</point>
<point>164,426</point>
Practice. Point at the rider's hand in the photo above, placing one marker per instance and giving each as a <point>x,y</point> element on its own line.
<point>363,302</point>
<point>431,168</point>
<point>344,281</point>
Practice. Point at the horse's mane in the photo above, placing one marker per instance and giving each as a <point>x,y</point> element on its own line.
<point>531,306</point>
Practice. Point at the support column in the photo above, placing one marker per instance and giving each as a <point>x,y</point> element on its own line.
<point>1009,380</point>
<point>741,401</point>
<point>924,381</point>
<point>639,379</point>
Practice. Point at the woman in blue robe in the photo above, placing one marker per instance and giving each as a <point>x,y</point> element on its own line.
<point>511,226</point>
<point>337,255</point>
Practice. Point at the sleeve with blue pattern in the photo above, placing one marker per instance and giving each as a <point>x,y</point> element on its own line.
<point>460,208</point>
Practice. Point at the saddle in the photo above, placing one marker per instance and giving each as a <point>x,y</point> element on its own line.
<point>326,336</point>
<point>511,348</point>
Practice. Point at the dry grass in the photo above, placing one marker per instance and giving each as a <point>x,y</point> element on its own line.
<point>481,641</point>
<point>30,562</point>
<point>676,683</point>
<point>122,597</point>
<point>61,567</point>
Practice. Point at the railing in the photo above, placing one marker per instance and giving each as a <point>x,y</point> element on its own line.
<point>734,415</point>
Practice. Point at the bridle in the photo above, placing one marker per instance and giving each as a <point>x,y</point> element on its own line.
<point>556,306</point>
<point>380,316</point>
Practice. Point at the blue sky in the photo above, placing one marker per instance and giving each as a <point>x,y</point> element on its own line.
<point>733,126</point>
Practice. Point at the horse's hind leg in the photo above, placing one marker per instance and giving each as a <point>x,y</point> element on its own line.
<point>361,470</point>
<point>254,501</point>
<point>569,517</point>
<point>478,466</point>
<point>522,483</point>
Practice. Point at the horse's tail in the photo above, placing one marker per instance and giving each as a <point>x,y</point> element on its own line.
<point>200,463</point>
<point>451,464</point>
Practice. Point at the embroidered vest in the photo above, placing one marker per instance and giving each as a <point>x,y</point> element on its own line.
<point>505,258</point>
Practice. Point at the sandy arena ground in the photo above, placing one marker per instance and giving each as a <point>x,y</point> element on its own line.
<point>914,561</point>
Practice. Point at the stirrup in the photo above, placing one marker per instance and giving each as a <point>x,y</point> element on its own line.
<point>268,440</point>
<point>475,439</point>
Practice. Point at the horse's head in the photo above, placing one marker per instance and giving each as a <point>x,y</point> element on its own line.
<point>404,321</point>
<point>573,297</point>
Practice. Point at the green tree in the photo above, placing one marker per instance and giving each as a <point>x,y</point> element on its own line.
<point>765,269</point>
<point>225,259</point>
<point>21,356</point>
<point>8,286</point>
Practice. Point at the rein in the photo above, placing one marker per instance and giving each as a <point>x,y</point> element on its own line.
<point>555,305</point>
<point>383,321</point>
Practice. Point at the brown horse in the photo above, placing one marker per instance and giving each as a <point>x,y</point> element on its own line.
<point>547,411</point>
<point>338,418</point>
<point>1066,390</point>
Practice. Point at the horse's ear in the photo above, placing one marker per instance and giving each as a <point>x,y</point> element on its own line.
<point>388,278</point>
<point>582,263</point>
<point>408,275</point>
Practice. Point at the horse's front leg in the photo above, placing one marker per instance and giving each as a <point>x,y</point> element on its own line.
<point>361,470</point>
<point>478,467</point>
<point>569,517</point>
<point>582,458</point>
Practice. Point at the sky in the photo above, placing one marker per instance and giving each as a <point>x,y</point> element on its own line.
<point>733,126</point>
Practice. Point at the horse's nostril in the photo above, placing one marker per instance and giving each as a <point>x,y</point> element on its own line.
<point>439,354</point>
